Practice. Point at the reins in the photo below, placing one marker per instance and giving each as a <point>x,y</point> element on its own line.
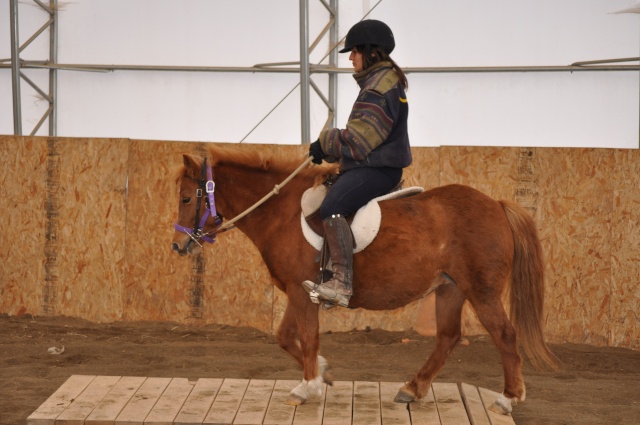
<point>228,225</point>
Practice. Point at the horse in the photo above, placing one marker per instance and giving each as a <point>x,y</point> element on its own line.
<point>452,240</point>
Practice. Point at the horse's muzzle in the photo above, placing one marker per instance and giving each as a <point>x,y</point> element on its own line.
<point>183,244</point>
<point>175,247</point>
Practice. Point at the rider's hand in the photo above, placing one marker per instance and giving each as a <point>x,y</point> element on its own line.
<point>315,150</point>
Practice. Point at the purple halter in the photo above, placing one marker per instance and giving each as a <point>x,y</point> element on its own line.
<point>210,209</point>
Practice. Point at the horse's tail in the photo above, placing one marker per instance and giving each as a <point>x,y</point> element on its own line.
<point>527,286</point>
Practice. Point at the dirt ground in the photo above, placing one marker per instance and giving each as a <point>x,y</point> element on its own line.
<point>595,386</point>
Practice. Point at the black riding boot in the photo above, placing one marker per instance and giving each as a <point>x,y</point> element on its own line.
<point>339,289</point>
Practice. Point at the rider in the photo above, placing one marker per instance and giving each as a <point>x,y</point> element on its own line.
<point>372,150</point>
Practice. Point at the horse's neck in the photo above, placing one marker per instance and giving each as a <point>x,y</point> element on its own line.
<point>241,188</point>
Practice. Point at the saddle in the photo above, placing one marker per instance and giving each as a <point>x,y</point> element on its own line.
<point>365,223</point>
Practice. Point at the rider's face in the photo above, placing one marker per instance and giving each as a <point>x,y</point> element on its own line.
<point>356,60</point>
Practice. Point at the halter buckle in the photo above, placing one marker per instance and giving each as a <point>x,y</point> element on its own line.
<point>210,186</point>
<point>199,193</point>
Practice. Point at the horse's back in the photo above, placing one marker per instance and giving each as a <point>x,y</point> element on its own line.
<point>454,202</point>
<point>450,216</point>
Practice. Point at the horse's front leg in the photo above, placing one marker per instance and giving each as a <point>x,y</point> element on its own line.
<point>287,335</point>
<point>305,315</point>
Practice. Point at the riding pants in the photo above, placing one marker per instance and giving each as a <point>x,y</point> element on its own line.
<point>356,187</point>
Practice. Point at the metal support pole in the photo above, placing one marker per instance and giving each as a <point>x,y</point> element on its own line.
<point>333,63</point>
<point>304,72</point>
<point>15,68</point>
<point>53,72</point>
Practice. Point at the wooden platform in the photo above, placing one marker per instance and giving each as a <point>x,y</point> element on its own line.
<point>102,400</point>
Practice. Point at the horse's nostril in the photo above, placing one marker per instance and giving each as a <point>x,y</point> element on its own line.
<point>175,247</point>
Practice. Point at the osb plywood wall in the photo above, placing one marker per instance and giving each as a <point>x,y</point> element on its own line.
<point>87,225</point>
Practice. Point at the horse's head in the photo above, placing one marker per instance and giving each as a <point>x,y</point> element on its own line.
<point>197,215</point>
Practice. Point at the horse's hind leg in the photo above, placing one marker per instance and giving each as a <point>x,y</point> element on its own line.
<point>493,317</point>
<point>449,302</point>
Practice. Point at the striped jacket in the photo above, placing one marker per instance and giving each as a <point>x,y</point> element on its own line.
<point>376,133</point>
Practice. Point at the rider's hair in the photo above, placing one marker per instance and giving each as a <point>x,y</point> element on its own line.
<point>372,54</point>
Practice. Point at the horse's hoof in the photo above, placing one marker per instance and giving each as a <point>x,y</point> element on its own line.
<point>404,397</point>
<point>294,400</point>
<point>502,405</point>
<point>327,377</point>
<point>306,391</point>
<point>325,370</point>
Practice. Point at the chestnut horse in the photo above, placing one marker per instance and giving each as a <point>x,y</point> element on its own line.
<point>451,240</point>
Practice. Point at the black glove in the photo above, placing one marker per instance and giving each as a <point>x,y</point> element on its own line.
<point>315,150</point>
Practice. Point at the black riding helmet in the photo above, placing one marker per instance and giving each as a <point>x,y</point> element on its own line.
<point>369,32</point>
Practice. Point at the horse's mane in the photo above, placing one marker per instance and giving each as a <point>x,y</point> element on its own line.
<point>253,157</point>
<point>277,160</point>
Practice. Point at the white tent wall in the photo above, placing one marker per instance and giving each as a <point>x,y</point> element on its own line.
<point>579,109</point>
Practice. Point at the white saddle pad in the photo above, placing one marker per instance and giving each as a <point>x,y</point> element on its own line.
<point>366,221</point>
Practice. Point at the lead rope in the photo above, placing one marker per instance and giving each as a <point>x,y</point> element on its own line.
<point>228,225</point>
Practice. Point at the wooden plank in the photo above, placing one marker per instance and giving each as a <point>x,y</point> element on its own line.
<point>392,413</point>
<point>366,403</point>
<point>473,403</point>
<point>199,402</point>
<point>488,397</point>
<point>112,404</point>
<point>255,402</point>
<point>84,404</point>
<point>279,413</point>
<point>48,411</point>
<point>102,400</point>
<point>170,402</point>
<point>135,412</point>
<point>450,406</point>
<point>425,410</point>
<point>338,406</point>
<point>311,413</point>
<point>224,408</point>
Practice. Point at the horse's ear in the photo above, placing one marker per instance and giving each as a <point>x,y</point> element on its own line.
<point>191,166</point>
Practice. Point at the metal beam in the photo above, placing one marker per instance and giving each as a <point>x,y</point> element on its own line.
<point>333,63</point>
<point>15,68</point>
<point>17,65</point>
<point>53,73</point>
<point>304,73</point>
<point>319,69</point>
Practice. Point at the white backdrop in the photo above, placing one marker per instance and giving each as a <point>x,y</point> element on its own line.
<point>580,109</point>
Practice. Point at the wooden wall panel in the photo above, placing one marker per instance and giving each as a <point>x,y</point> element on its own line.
<point>625,251</point>
<point>92,210</point>
<point>22,207</point>
<point>156,277</point>
<point>70,195</point>
<point>488,169</point>
<point>88,225</point>
<point>575,221</point>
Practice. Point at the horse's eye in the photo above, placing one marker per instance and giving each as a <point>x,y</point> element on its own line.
<point>186,200</point>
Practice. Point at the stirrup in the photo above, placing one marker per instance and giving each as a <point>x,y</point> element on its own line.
<point>332,295</point>
<point>317,298</point>
<point>311,287</point>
